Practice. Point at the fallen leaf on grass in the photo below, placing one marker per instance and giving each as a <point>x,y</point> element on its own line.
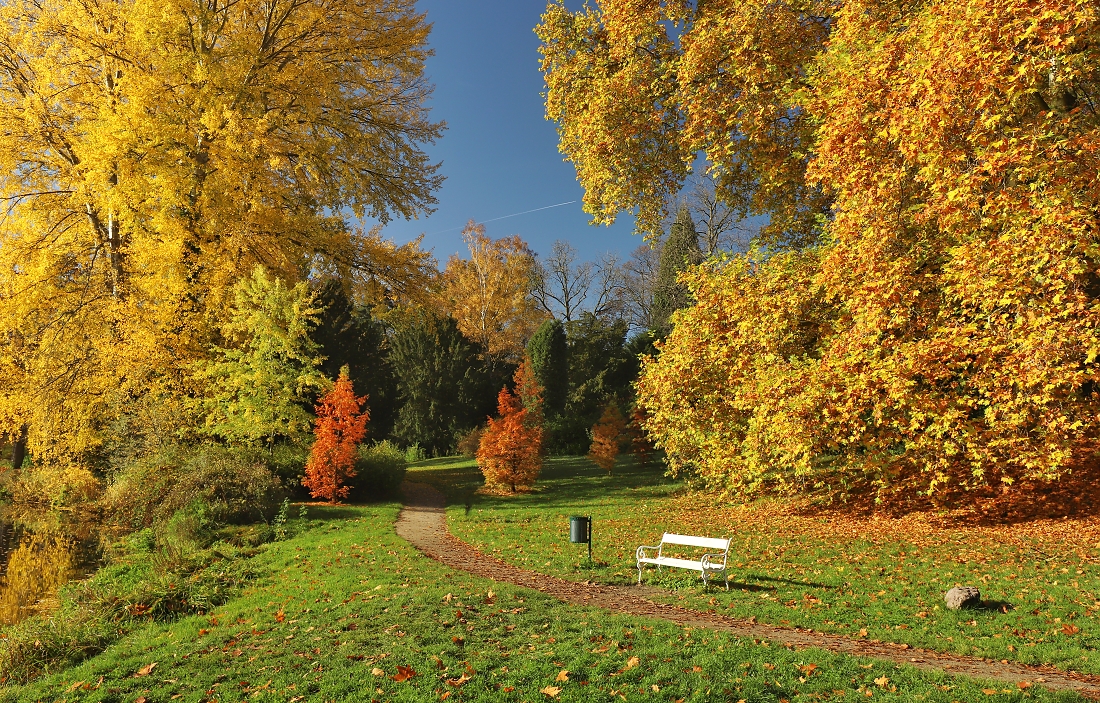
<point>280,616</point>
<point>882,681</point>
<point>990,691</point>
<point>807,669</point>
<point>445,696</point>
<point>563,675</point>
<point>377,672</point>
<point>75,686</point>
<point>1023,685</point>
<point>459,681</point>
<point>404,673</point>
<point>141,699</point>
<point>1068,629</point>
<point>460,641</point>
<point>145,670</point>
<point>551,691</point>
<point>632,662</point>
<point>863,632</point>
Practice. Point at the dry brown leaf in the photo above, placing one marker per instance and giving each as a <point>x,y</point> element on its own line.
<point>563,675</point>
<point>632,662</point>
<point>404,673</point>
<point>1068,629</point>
<point>882,681</point>
<point>145,670</point>
<point>377,672</point>
<point>990,691</point>
<point>280,616</point>
<point>1023,685</point>
<point>551,691</point>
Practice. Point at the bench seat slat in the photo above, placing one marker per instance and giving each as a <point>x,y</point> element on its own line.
<point>693,564</point>
<point>691,541</point>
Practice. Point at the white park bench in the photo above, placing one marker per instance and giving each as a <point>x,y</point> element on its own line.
<point>707,565</point>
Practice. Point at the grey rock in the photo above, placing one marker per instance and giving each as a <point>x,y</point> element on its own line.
<point>963,597</point>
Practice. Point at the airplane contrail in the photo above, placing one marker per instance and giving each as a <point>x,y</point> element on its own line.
<point>505,217</point>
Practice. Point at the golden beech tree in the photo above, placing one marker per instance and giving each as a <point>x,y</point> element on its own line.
<point>925,315</point>
<point>509,452</point>
<point>639,88</point>
<point>489,294</point>
<point>153,152</point>
<point>340,427</point>
<point>606,435</point>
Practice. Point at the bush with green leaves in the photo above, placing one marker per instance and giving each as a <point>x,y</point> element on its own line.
<point>234,486</point>
<point>379,471</point>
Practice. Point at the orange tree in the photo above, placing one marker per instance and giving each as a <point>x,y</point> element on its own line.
<point>510,450</point>
<point>605,438</point>
<point>340,427</point>
<point>926,314</point>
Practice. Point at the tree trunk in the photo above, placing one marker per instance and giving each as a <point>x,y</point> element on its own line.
<point>19,448</point>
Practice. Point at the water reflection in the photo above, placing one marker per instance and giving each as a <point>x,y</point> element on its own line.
<point>36,568</point>
<point>35,564</point>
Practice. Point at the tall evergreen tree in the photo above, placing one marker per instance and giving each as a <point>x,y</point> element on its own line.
<point>349,336</point>
<point>549,355</point>
<point>680,251</point>
<point>441,382</point>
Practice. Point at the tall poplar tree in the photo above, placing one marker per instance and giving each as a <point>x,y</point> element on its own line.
<point>680,251</point>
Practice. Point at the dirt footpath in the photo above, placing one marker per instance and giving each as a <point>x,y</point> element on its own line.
<point>423,523</point>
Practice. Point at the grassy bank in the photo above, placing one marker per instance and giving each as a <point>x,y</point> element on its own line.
<point>347,611</point>
<point>875,578</point>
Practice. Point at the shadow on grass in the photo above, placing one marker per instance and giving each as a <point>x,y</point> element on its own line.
<point>564,481</point>
<point>316,511</point>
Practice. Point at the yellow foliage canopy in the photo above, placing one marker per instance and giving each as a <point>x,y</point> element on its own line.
<point>489,294</point>
<point>152,152</point>
<point>935,170</point>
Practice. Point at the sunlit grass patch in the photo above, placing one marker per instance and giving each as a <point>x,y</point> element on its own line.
<point>875,578</point>
<point>347,611</point>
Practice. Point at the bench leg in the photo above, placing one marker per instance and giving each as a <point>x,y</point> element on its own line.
<point>639,573</point>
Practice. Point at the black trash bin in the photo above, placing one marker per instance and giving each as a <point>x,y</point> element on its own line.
<point>580,531</point>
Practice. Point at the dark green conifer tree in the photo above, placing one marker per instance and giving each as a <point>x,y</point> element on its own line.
<point>549,355</point>
<point>442,384</point>
<point>680,251</point>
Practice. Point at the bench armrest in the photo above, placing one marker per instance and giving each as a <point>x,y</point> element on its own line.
<point>705,561</point>
<point>640,554</point>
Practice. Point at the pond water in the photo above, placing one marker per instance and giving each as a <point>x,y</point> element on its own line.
<point>36,563</point>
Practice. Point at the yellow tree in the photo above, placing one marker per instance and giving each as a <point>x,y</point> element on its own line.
<point>153,152</point>
<point>638,89</point>
<point>489,294</point>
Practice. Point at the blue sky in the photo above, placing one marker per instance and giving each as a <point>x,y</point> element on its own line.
<point>499,153</point>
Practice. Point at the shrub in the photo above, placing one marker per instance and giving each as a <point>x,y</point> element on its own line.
<point>379,471</point>
<point>414,453</point>
<point>468,442</point>
<point>234,486</point>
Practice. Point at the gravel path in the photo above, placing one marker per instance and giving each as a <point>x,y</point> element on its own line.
<point>423,523</point>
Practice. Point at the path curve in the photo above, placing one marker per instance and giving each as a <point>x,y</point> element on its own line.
<point>423,523</point>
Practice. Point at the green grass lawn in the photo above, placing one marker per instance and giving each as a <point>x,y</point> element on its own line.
<point>880,579</point>
<point>336,612</point>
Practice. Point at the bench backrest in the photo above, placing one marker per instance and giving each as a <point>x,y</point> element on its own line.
<point>690,541</point>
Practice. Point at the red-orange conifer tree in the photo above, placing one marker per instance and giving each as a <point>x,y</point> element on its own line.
<point>510,451</point>
<point>605,438</point>
<point>341,425</point>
